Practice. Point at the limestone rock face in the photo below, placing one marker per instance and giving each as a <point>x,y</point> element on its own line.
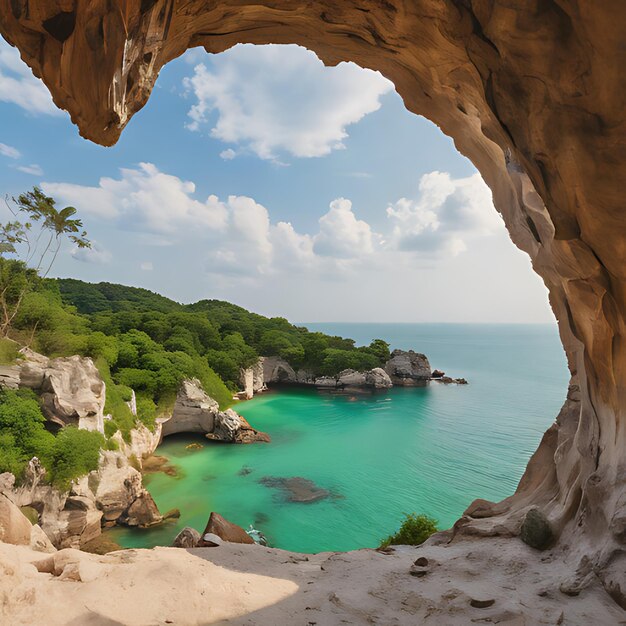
<point>277,370</point>
<point>70,389</point>
<point>531,92</point>
<point>72,392</point>
<point>194,411</point>
<point>252,380</point>
<point>408,368</point>
<point>14,525</point>
<point>230,427</point>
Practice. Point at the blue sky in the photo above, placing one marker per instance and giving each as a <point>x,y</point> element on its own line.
<point>261,177</point>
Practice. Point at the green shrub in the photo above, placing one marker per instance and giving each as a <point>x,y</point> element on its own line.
<point>8,351</point>
<point>415,529</point>
<point>75,453</point>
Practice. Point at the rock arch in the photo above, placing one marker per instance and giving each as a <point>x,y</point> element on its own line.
<point>532,91</point>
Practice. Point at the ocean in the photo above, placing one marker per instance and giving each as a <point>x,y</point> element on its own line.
<point>381,455</point>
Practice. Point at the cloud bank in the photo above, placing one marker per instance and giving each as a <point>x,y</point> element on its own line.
<point>236,237</point>
<point>274,100</point>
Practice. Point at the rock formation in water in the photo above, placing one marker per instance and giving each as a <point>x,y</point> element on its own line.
<point>408,368</point>
<point>195,412</point>
<point>531,91</point>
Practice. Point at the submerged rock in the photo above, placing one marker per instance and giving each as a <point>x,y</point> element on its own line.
<point>225,530</point>
<point>296,489</point>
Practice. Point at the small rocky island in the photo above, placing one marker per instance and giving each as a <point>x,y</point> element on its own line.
<point>405,368</point>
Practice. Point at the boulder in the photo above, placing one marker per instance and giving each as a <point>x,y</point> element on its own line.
<point>536,530</point>
<point>438,374</point>
<point>194,411</point>
<point>378,379</point>
<point>326,382</point>
<point>225,530</point>
<point>231,427</point>
<point>187,538</point>
<point>10,376</point>
<point>143,512</point>
<point>39,541</point>
<point>408,368</point>
<point>351,378</point>
<point>14,525</point>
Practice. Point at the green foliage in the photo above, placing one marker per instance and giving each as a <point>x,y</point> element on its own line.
<point>115,405</point>
<point>23,431</point>
<point>69,455</point>
<point>35,244</point>
<point>415,529</point>
<point>8,351</point>
<point>75,453</point>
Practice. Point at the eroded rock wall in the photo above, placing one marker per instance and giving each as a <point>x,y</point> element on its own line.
<point>531,91</point>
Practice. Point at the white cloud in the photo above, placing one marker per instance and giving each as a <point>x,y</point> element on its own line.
<point>228,155</point>
<point>341,234</point>
<point>19,86</point>
<point>96,254</point>
<point>275,99</point>
<point>145,198</point>
<point>9,151</point>
<point>235,237</point>
<point>146,266</point>
<point>447,213</point>
<point>33,169</point>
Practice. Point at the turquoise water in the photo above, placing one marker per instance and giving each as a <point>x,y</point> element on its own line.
<point>430,450</point>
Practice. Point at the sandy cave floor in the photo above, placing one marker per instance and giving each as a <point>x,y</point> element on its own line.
<point>252,585</point>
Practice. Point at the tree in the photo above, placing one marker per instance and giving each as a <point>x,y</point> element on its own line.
<point>34,243</point>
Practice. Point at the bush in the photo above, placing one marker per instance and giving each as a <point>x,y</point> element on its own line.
<point>75,453</point>
<point>415,529</point>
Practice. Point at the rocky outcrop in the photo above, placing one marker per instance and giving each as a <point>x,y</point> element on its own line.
<point>194,411</point>
<point>408,368</point>
<point>252,380</point>
<point>277,370</point>
<point>70,389</point>
<point>230,427</point>
<point>532,92</point>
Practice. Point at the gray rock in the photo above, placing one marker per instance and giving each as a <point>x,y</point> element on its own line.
<point>408,368</point>
<point>326,382</point>
<point>194,411</point>
<point>187,538</point>
<point>536,530</point>
<point>72,392</point>
<point>352,378</point>
<point>277,370</point>
<point>378,379</point>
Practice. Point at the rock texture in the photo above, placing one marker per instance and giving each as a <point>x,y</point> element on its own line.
<point>194,411</point>
<point>408,368</point>
<point>225,530</point>
<point>70,389</point>
<point>531,91</point>
<point>252,380</point>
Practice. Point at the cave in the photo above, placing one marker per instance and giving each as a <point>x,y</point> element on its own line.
<point>532,92</point>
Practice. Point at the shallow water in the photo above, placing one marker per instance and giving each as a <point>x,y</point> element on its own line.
<point>429,450</point>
